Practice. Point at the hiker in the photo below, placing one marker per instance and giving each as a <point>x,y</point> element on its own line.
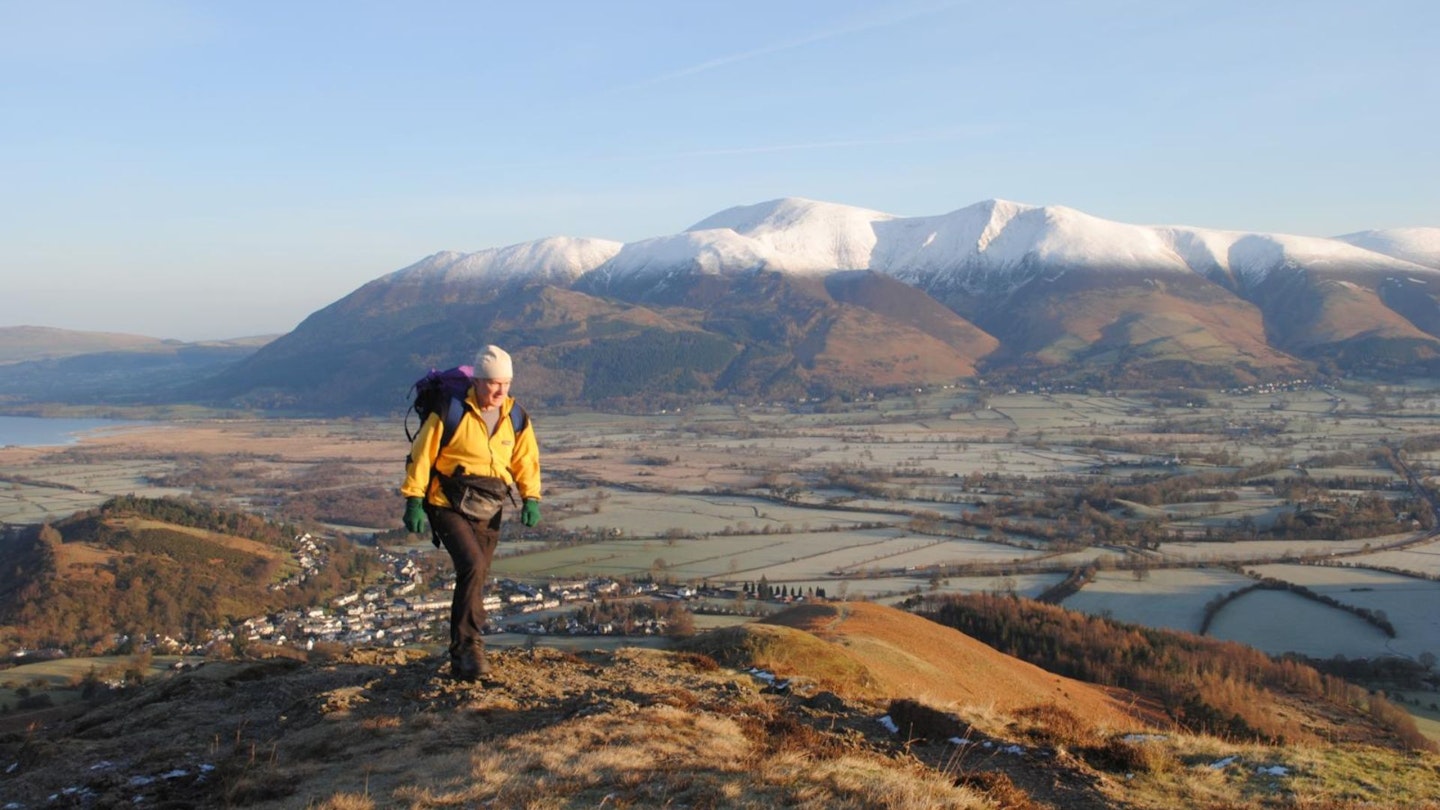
<point>462,484</point>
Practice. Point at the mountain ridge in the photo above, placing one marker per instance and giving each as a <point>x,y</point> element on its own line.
<point>795,298</point>
<point>796,234</point>
<point>800,235</point>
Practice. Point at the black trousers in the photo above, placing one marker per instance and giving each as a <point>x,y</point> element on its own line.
<point>471,544</point>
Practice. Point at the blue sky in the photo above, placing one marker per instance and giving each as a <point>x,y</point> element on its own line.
<point>207,170</point>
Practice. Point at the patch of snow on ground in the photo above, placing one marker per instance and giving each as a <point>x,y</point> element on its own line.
<point>1273,770</point>
<point>889,724</point>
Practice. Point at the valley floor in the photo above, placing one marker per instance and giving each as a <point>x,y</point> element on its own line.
<point>946,491</point>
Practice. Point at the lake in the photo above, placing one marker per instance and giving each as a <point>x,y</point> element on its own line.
<point>35,431</point>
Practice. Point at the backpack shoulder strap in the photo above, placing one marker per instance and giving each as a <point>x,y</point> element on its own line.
<point>450,419</point>
<point>519,419</point>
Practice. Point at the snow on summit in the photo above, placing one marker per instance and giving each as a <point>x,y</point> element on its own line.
<point>713,251</point>
<point>557,259</point>
<point>810,236</point>
<point>1418,245</point>
<point>1250,257</point>
<point>995,245</point>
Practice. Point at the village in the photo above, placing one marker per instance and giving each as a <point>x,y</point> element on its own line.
<point>404,609</point>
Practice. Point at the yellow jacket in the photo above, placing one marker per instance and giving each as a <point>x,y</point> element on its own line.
<point>513,458</point>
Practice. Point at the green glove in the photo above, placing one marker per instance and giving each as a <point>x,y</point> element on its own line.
<point>530,512</point>
<point>414,515</point>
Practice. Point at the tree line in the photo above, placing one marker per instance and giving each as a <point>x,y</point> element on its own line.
<point>1212,608</point>
<point>1205,685</point>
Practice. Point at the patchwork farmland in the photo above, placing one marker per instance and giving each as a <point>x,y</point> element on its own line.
<point>1148,506</point>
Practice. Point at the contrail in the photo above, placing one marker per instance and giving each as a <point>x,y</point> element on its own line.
<point>895,18</point>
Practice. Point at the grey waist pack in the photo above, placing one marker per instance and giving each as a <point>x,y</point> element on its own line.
<point>477,497</point>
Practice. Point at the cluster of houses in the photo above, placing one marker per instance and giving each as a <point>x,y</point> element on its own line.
<point>310,556</point>
<point>404,610</point>
<point>1275,387</point>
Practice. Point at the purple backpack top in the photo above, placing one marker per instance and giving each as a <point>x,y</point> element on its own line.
<point>444,392</point>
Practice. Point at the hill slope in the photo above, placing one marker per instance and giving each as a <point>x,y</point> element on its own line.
<point>630,728</point>
<point>879,652</point>
<point>137,568</point>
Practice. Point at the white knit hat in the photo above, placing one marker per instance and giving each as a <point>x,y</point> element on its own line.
<point>493,363</point>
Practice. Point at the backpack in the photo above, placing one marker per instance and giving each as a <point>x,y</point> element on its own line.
<point>444,392</point>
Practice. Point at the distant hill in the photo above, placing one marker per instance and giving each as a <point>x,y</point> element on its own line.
<point>799,298</point>
<point>137,567</point>
<point>22,343</point>
<point>31,343</point>
<point>870,710</point>
<point>43,365</point>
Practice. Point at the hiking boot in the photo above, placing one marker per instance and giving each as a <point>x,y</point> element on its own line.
<point>470,666</point>
<point>464,671</point>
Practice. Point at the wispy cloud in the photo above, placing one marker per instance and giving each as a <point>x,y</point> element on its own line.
<point>885,19</point>
<point>888,140</point>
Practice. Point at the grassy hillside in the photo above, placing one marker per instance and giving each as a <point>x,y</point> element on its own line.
<point>1203,685</point>
<point>136,567</point>
<point>648,728</point>
<point>868,650</point>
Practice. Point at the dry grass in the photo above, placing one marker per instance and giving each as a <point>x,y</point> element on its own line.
<point>997,788</point>
<point>1158,771</point>
<point>1129,756</point>
<point>1056,726</point>
<point>646,728</point>
<point>789,653</point>
<point>666,757</point>
<point>902,654</point>
<point>1167,771</point>
<point>346,801</point>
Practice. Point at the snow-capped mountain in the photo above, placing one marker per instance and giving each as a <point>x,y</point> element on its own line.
<point>993,246</point>
<point>1417,245</point>
<point>554,260</point>
<point>800,297</point>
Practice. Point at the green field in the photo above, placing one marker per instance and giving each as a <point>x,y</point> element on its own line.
<point>61,679</point>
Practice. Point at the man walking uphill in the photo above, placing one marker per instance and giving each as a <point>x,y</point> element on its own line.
<point>461,486</point>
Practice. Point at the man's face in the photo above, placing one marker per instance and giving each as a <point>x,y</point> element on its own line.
<point>491,392</point>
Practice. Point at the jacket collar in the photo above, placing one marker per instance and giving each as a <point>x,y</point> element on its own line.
<point>473,403</point>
